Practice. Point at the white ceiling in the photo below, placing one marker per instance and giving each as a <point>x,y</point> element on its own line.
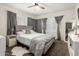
<point>49,7</point>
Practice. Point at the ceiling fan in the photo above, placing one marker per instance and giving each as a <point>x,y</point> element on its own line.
<point>36,4</point>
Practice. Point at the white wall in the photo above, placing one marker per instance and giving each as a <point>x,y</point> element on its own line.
<point>3,22</point>
<point>51,27</point>
<point>22,20</point>
<point>3,17</point>
<point>69,15</point>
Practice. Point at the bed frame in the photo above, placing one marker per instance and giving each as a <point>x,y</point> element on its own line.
<point>21,27</point>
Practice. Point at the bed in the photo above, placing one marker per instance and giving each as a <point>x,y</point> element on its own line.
<point>26,38</point>
<point>37,42</point>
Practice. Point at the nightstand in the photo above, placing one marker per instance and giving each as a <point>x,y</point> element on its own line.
<point>11,40</point>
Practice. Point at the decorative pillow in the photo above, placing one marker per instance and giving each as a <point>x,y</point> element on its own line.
<point>27,31</point>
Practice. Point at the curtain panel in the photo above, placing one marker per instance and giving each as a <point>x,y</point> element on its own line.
<point>39,25</point>
<point>58,20</point>
<point>11,23</point>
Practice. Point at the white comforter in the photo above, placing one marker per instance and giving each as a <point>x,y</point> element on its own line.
<point>26,38</point>
<point>35,41</point>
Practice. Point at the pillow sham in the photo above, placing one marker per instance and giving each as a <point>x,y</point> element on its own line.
<point>33,32</point>
<point>24,31</point>
<point>27,31</point>
<point>19,33</point>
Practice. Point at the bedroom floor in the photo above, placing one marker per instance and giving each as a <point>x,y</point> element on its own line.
<point>59,48</point>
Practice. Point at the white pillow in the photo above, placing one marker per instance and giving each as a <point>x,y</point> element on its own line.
<point>24,31</point>
<point>20,32</point>
<point>33,32</point>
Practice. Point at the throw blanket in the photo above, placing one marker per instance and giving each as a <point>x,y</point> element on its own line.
<point>38,43</point>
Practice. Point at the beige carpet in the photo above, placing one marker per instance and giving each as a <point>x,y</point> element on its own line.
<point>19,51</point>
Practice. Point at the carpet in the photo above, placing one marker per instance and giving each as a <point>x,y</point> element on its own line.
<point>19,51</point>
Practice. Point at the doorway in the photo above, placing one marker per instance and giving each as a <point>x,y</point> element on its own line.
<point>68,29</point>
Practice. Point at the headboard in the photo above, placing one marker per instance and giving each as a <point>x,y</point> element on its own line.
<point>21,27</point>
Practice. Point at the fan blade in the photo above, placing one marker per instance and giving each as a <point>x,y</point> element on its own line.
<point>41,7</point>
<point>36,4</point>
<point>31,6</point>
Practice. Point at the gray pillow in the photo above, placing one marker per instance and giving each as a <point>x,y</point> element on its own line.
<point>27,31</point>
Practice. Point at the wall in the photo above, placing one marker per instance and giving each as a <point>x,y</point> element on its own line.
<point>69,16</point>
<point>3,17</point>
<point>51,27</point>
<point>3,22</point>
<point>22,20</point>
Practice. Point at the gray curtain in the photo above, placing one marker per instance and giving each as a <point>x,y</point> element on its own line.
<point>11,23</point>
<point>34,24</point>
<point>58,20</point>
<point>44,20</point>
<point>37,24</point>
<point>31,22</point>
<point>78,13</point>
